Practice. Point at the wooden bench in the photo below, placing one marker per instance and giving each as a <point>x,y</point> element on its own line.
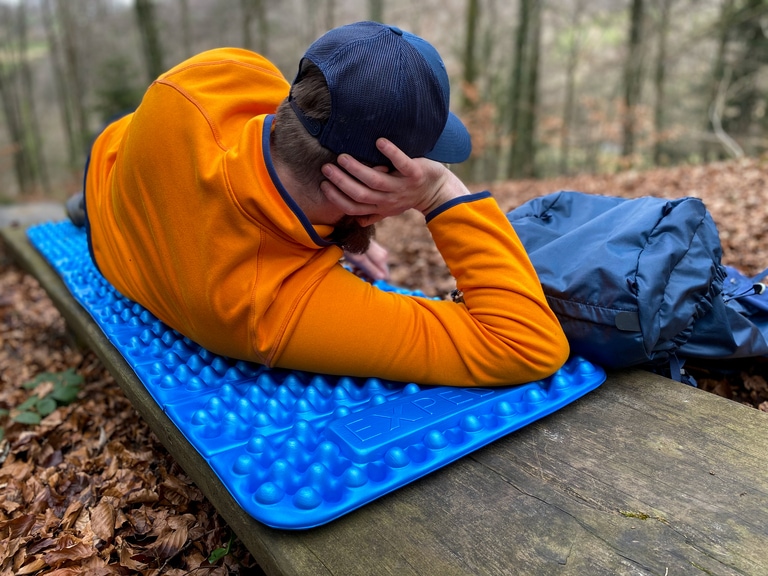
<point>642,476</point>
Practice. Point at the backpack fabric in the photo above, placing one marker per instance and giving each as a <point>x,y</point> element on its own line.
<point>640,281</point>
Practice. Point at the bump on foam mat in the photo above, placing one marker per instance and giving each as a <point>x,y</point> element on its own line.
<point>297,449</point>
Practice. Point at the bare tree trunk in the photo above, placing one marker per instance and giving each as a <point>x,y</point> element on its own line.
<point>33,139</point>
<point>186,27</point>
<point>469,89</point>
<point>570,86</point>
<point>75,83</point>
<point>718,68</point>
<point>246,8</point>
<point>527,149</point>
<point>489,164</point>
<point>150,38</point>
<point>376,10</point>
<point>62,92</point>
<point>312,12</point>
<point>524,90</point>
<point>516,85</point>
<point>470,62</point>
<point>255,9</point>
<point>659,80</point>
<point>746,95</point>
<point>330,14</point>
<point>21,166</point>
<point>261,16</point>
<point>633,76</point>
<point>9,94</point>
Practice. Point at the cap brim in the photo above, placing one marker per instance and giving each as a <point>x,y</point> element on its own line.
<point>454,144</point>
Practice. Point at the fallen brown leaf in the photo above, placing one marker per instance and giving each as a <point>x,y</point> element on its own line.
<point>32,567</point>
<point>171,543</point>
<point>71,553</point>
<point>103,519</point>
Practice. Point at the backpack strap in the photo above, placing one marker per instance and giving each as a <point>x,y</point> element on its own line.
<point>677,371</point>
<point>757,288</point>
<point>758,277</point>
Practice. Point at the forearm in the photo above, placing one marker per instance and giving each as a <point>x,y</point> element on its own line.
<point>503,334</point>
<point>500,289</point>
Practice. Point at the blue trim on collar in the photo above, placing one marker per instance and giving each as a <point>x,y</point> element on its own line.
<point>316,238</point>
<point>460,200</point>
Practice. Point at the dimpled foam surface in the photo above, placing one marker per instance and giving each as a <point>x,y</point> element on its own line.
<point>297,449</point>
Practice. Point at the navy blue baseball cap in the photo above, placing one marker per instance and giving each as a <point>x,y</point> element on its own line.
<point>384,82</point>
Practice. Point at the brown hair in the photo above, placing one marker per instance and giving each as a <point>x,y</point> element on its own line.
<point>291,144</point>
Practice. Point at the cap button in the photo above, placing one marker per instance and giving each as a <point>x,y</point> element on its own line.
<point>396,30</point>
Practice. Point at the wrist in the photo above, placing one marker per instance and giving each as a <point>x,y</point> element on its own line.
<point>458,200</point>
<point>451,189</point>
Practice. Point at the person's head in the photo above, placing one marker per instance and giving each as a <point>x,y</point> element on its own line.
<point>291,144</point>
<point>304,156</point>
<point>383,82</point>
<point>358,83</point>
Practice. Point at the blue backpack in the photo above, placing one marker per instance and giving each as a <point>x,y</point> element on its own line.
<point>639,281</point>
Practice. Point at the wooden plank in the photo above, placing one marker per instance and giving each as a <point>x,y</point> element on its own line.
<point>642,476</point>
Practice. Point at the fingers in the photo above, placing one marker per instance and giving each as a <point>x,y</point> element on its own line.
<point>400,160</point>
<point>354,196</point>
<point>373,262</point>
<point>379,256</point>
<point>374,178</point>
<point>367,266</point>
<point>377,177</point>
<point>342,191</point>
<point>361,182</point>
<point>374,193</point>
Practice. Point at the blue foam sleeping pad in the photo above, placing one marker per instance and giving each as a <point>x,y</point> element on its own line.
<point>297,449</point>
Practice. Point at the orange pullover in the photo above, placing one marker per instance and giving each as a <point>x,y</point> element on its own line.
<point>188,218</point>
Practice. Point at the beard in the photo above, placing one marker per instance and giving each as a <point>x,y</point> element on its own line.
<point>351,236</point>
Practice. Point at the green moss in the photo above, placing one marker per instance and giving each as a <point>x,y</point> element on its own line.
<point>631,514</point>
<point>641,515</point>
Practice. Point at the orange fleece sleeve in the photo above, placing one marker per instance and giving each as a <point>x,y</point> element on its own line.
<point>504,333</point>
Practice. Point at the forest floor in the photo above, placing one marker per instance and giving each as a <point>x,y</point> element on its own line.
<point>89,488</point>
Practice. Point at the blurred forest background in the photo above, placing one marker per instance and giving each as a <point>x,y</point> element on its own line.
<point>547,87</point>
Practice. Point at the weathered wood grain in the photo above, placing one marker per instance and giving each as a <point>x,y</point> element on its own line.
<point>642,476</point>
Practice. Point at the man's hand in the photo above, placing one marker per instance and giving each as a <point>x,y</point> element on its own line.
<point>373,194</point>
<point>372,263</point>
